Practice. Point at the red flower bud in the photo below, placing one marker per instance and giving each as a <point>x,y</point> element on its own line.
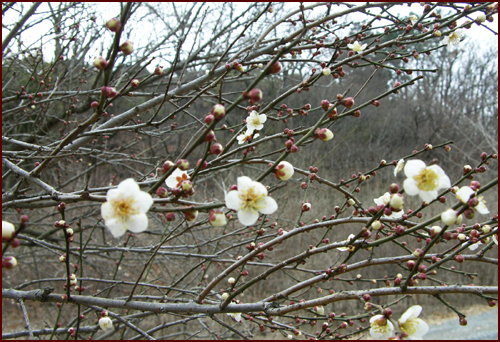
<point>100,63</point>
<point>275,68</point>
<point>127,47</point>
<point>347,102</point>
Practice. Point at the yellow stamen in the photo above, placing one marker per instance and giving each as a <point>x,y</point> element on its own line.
<point>124,207</point>
<point>251,199</point>
<point>427,180</point>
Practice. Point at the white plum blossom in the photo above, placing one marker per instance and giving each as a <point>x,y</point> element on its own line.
<point>344,249</point>
<point>176,178</point>
<point>106,323</point>
<point>381,327</point>
<point>255,121</point>
<point>399,167</point>
<point>356,47</point>
<point>216,218</point>
<point>250,199</point>
<point>474,246</point>
<point>386,199</point>
<point>481,206</point>
<point>125,208</point>
<point>320,310</point>
<point>246,137</point>
<point>235,316</point>
<point>423,180</point>
<point>411,325</point>
<point>464,194</point>
<point>453,38</point>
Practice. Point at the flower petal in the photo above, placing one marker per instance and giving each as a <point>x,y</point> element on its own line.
<point>107,211</point>
<point>143,200</point>
<point>112,194</point>
<point>137,223</point>
<point>247,217</point>
<point>233,200</point>
<point>412,313</point>
<point>413,167</point>
<point>259,188</point>
<point>422,328</point>
<point>268,205</point>
<point>428,196</point>
<point>262,118</point>
<point>129,186</point>
<point>410,186</point>
<point>244,183</point>
<point>116,227</point>
<point>464,194</point>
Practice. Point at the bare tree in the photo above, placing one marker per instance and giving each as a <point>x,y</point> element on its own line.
<point>209,170</point>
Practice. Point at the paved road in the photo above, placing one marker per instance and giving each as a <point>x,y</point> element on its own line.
<point>482,326</point>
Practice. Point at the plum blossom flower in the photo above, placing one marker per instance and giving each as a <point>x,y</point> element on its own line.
<point>356,47</point>
<point>106,323</point>
<point>412,326</point>
<point>450,217</point>
<point>453,38</point>
<point>386,199</point>
<point>464,194</point>
<point>481,206</point>
<point>255,121</point>
<point>125,208</point>
<point>399,167</point>
<point>381,327</point>
<point>344,249</point>
<point>250,199</point>
<point>423,180</point>
<point>246,137</point>
<point>413,19</point>
<point>176,178</point>
<point>236,316</point>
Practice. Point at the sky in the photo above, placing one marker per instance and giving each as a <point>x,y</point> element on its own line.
<point>106,10</point>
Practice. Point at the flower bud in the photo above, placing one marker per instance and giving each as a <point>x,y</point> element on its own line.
<point>467,169</point>
<point>325,104</point>
<point>210,136</point>
<point>397,202</point>
<point>225,296</point>
<point>275,68</point>
<point>324,134</point>
<point>100,63</point>
<point>231,281</point>
<point>410,264</point>
<point>216,149</point>
<point>306,206</point>
<point>326,71</point>
<point>481,18</point>
<point>254,95</point>
<point>127,47</point>
<point>216,218</point>
<point>170,217</point>
<point>8,231</point>
<point>284,171</point>
<point>435,230</point>
<point>320,310</point>
<point>190,215</point>
<point>134,83</point>
<point>209,119</point>
<point>94,104</point>
<point>114,25</point>
<point>158,70</point>
<point>9,262</point>
<point>183,164</point>
<point>449,217</point>
<point>218,111</point>
<point>376,225</point>
<point>418,253</point>
<point>347,102</point>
